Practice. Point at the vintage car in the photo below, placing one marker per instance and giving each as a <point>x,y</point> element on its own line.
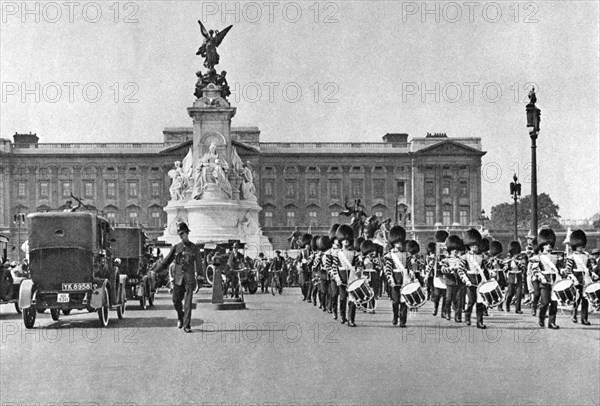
<point>11,276</point>
<point>71,267</point>
<point>129,247</point>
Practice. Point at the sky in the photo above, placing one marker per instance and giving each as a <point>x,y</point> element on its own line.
<point>322,71</point>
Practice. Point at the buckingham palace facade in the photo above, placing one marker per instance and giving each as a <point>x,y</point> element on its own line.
<point>432,181</point>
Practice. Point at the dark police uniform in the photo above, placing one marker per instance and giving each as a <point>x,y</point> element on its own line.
<point>186,257</point>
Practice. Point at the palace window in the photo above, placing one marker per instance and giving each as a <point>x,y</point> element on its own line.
<point>88,189</point>
<point>445,189</point>
<point>291,219</point>
<point>290,190</point>
<point>268,219</point>
<point>155,189</point>
<point>111,190</point>
<point>429,188</point>
<point>268,188</point>
<point>379,214</point>
<point>155,219</point>
<point>464,217</point>
<point>401,188</point>
<point>133,189</point>
<point>334,217</point>
<point>22,189</point>
<point>44,192</point>
<point>446,217</point>
<point>312,189</point>
<point>334,189</point>
<point>66,189</point>
<point>429,217</point>
<point>379,188</point>
<point>111,216</point>
<point>312,218</point>
<point>463,188</point>
<point>133,217</point>
<point>357,188</point>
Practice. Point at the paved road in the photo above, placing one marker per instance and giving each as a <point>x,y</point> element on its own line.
<point>284,351</point>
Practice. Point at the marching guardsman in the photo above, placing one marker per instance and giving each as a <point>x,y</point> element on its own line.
<point>372,266</point>
<point>493,265</point>
<point>452,265</point>
<point>187,259</point>
<point>531,286</point>
<point>315,265</point>
<point>429,271</point>
<point>396,270</point>
<point>472,275</point>
<point>303,266</point>
<point>579,265</point>
<point>344,270</point>
<point>544,270</point>
<point>416,264</point>
<point>439,279</point>
<point>515,266</point>
<point>323,244</point>
<point>333,285</point>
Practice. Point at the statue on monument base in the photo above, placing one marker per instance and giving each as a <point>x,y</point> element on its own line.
<point>211,172</point>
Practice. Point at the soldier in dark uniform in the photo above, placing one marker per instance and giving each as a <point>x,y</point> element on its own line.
<point>398,276</point>
<point>323,244</point>
<point>303,266</point>
<point>544,270</point>
<point>187,259</point>
<point>276,269</point>
<point>515,266</point>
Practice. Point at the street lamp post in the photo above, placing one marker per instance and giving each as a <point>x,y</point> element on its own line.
<point>533,121</point>
<point>515,191</point>
<point>19,219</point>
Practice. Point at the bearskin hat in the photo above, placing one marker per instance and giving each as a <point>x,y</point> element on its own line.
<point>412,247</point>
<point>441,235</point>
<point>485,245</point>
<point>514,248</point>
<point>431,246</point>
<point>333,231</point>
<point>397,235</point>
<point>313,243</point>
<point>472,237</point>
<point>358,242</point>
<point>306,240</point>
<point>367,247</point>
<point>324,243</point>
<point>546,236</point>
<point>454,243</point>
<point>344,232</point>
<point>496,248</point>
<point>578,239</point>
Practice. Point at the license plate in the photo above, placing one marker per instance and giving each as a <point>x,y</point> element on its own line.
<point>63,298</point>
<point>76,286</point>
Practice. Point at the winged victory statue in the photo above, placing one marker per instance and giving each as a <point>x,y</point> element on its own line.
<point>208,50</point>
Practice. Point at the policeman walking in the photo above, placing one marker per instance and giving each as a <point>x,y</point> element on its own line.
<point>187,258</point>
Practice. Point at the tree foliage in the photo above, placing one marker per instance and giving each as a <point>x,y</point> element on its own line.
<point>503,214</point>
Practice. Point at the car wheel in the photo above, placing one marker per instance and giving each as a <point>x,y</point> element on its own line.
<point>143,301</point>
<point>103,312</point>
<point>17,308</point>
<point>121,310</point>
<point>66,312</point>
<point>55,313</point>
<point>29,317</point>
